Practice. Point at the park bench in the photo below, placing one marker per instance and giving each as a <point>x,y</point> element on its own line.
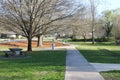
<point>23,53</point>
<point>9,53</point>
<point>15,52</point>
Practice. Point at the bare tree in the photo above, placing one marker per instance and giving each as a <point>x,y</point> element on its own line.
<point>30,17</point>
<point>67,6</point>
<point>78,22</point>
<point>93,8</point>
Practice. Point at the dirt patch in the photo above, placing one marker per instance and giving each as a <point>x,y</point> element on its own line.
<point>46,44</point>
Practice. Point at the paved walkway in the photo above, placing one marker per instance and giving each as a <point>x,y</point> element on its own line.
<point>77,67</point>
<point>105,67</point>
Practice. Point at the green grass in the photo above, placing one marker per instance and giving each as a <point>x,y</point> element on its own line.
<point>106,52</point>
<point>111,75</point>
<point>43,65</point>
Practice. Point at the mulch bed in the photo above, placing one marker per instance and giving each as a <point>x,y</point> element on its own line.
<point>46,44</point>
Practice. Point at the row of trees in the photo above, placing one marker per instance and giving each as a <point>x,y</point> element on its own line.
<point>105,27</point>
<point>102,27</point>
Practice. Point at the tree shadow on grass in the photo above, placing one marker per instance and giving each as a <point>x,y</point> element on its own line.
<point>38,58</point>
<point>96,43</point>
<point>101,55</point>
<point>41,63</point>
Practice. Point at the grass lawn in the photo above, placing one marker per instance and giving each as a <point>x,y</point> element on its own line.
<point>43,65</point>
<point>106,52</point>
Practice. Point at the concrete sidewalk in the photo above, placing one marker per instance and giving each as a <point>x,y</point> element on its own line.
<point>78,68</point>
<point>105,67</point>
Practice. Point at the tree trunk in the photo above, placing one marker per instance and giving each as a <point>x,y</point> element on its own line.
<point>40,40</point>
<point>84,38</point>
<point>93,29</point>
<point>29,47</point>
<point>117,41</point>
<point>93,14</point>
<point>93,40</point>
<point>74,37</point>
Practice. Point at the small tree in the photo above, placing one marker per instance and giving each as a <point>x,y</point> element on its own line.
<point>107,23</point>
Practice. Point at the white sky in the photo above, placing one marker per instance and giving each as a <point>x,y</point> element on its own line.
<point>109,5</point>
<point>113,4</point>
<point>105,4</point>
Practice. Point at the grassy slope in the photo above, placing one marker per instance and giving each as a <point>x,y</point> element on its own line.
<point>43,65</point>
